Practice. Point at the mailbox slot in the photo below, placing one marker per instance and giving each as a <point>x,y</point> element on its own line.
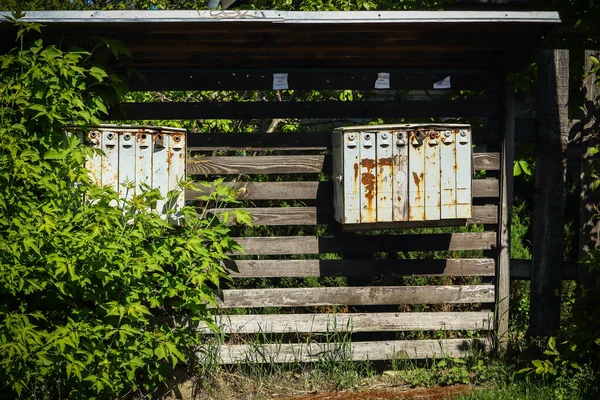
<point>400,173</point>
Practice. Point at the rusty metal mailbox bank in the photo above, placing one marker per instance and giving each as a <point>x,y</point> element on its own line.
<point>142,155</point>
<point>398,173</point>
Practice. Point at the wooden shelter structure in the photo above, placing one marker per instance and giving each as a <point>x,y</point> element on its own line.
<point>241,50</point>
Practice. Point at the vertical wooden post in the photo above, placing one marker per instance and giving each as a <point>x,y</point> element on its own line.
<point>590,226</point>
<point>506,192</point>
<point>549,205</point>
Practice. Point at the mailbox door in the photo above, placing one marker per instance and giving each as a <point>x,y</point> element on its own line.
<point>400,181</point>
<point>110,163</point>
<point>464,160</point>
<point>416,178</point>
<point>448,174</point>
<point>160,171</point>
<point>176,166</point>
<point>432,176</point>
<point>94,163</point>
<point>143,160</point>
<point>368,180</point>
<point>384,176</point>
<point>127,150</point>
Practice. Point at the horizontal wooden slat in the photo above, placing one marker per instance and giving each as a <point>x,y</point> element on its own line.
<point>318,109</point>
<point>359,351</point>
<point>256,165</point>
<point>376,295</point>
<point>316,79</point>
<point>354,322</point>
<point>525,128</point>
<point>521,269</point>
<point>270,216</point>
<point>365,244</point>
<point>486,161</point>
<point>312,190</point>
<point>322,268</point>
<point>295,164</point>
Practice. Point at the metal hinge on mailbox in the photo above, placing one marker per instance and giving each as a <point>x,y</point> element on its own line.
<point>139,155</point>
<point>398,173</point>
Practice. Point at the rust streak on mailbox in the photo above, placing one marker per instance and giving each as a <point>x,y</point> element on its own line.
<point>369,181</point>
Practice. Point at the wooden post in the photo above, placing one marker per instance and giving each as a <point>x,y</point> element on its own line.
<point>590,226</point>
<point>506,191</point>
<point>549,205</point>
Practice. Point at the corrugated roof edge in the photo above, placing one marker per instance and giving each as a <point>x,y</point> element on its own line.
<point>270,16</point>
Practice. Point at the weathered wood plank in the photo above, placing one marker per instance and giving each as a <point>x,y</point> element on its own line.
<point>375,295</point>
<point>365,244</point>
<point>525,128</point>
<point>486,161</point>
<point>317,109</point>
<point>301,190</point>
<point>322,268</point>
<point>354,322</point>
<point>521,270</point>
<point>589,237</point>
<point>301,79</point>
<point>506,193</point>
<point>295,164</point>
<point>269,216</point>
<point>549,217</point>
<point>315,352</point>
<point>256,165</point>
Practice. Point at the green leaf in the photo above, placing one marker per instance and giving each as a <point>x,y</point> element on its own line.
<point>98,73</point>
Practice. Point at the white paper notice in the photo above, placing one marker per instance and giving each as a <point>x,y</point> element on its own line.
<point>443,84</point>
<point>280,81</point>
<point>383,80</point>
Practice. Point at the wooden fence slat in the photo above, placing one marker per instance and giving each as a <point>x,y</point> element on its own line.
<point>295,164</point>
<point>521,270</point>
<point>256,165</point>
<point>297,141</point>
<point>352,322</point>
<point>316,109</point>
<point>365,244</point>
<point>315,352</point>
<point>312,190</point>
<point>375,295</point>
<point>322,268</point>
<point>271,216</point>
<point>549,202</point>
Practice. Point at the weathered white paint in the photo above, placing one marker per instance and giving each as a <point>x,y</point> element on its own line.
<point>432,176</point>
<point>127,150</point>
<point>416,176</point>
<point>351,151</point>
<point>448,174</point>
<point>176,173</point>
<point>400,172</point>
<point>394,173</point>
<point>368,179</point>
<point>464,173</point>
<point>160,170</point>
<point>143,160</point>
<point>384,176</point>
<point>110,163</point>
<point>94,163</point>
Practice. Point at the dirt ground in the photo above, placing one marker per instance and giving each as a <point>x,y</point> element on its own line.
<point>433,393</point>
<point>234,388</point>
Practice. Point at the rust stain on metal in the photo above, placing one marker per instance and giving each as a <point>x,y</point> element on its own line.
<point>356,168</point>
<point>369,181</point>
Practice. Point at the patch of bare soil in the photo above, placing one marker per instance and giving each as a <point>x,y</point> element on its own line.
<point>433,393</point>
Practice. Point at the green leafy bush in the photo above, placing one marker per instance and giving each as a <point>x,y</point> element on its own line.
<point>92,296</point>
